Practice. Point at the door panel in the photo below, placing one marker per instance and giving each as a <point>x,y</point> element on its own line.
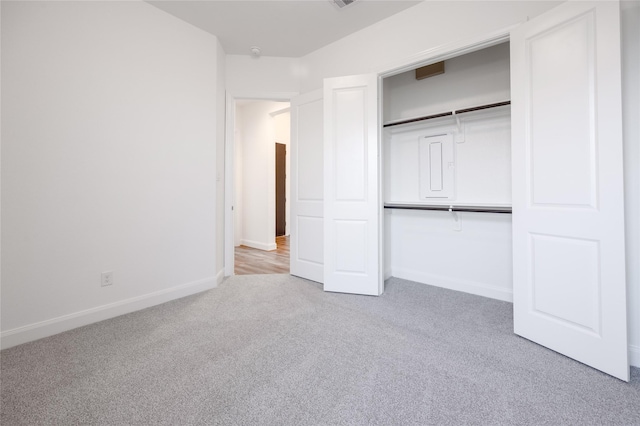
<point>570,47</point>
<point>568,206</point>
<point>350,150</point>
<point>307,187</point>
<point>352,195</point>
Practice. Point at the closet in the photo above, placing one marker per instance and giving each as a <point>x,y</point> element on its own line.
<point>446,153</point>
<point>448,157</point>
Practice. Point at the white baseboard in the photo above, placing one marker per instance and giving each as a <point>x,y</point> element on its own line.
<point>387,274</point>
<point>219,277</point>
<point>258,245</point>
<point>634,355</point>
<point>57,325</point>
<point>466,286</point>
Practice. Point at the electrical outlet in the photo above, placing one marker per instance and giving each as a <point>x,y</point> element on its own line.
<point>106,278</point>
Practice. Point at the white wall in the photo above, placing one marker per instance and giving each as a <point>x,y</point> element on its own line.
<point>477,78</point>
<point>403,36</point>
<point>482,143</point>
<point>424,246</point>
<point>108,162</point>
<point>481,165</point>
<point>255,76</point>
<point>469,252</point>
<point>257,136</point>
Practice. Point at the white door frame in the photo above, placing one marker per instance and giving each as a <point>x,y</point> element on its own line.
<point>229,165</point>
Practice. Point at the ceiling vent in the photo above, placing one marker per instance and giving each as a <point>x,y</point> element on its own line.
<point>342,3</point>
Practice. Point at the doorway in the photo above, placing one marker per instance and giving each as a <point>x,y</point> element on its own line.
<point>259,209</point>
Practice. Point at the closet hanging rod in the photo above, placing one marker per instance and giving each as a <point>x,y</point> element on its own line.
<point>449,113</point>
<point>451,208</point>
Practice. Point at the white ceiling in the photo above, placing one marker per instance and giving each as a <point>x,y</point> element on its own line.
<point>290,28</point>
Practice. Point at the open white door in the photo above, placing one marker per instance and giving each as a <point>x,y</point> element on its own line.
<point>307,235</point>
<point>568,224</point>
<point>352,206</point>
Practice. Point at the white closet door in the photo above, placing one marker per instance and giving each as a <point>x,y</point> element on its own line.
<point>568,224</point>
<point>352,201</point>
<point>307,183</point>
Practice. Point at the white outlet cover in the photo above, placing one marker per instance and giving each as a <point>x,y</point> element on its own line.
<point>106,278</point>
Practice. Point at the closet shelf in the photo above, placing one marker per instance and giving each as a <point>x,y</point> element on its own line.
<point>448,113</point>
<point>451,208</point>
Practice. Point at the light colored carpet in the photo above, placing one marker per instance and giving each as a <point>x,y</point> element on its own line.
<point>277,350</point>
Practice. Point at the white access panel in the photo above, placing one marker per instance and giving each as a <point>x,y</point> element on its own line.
<point>568,224</point>
<point>352,196</point>
<point>437,167</point>
<point>306,258</point>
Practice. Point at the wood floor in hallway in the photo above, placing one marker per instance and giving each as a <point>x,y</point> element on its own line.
<point>250,261</point>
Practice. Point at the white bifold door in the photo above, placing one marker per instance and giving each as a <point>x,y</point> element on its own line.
<point>352,207</point>
<point>568,206</point>
<point>307,187</point>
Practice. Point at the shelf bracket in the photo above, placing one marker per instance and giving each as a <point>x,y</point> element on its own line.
<point>457,222</point>
<point>459,134</point>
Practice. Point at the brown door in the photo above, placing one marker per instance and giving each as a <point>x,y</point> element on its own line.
<point>281,164</point>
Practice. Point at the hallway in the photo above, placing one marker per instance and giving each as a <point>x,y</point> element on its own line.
<point>250,261</point>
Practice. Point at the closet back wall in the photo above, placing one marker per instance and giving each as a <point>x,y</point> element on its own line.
<point>463,251</point>
<point>479,77</point>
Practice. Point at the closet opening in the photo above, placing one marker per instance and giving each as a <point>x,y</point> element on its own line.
<point>446,166</point>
